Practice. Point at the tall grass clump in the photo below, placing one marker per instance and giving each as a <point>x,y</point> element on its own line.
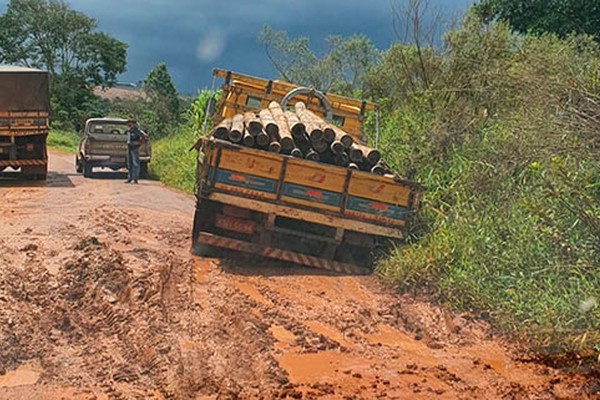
<point>505,139</point>
<point>63,140</point>
<point>173,163</point>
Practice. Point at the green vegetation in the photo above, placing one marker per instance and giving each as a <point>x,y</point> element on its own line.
<point>64,141</point>
<point>172,162</point>
<point>563,17</point>
<point>48,34</point>
<point>342,68</point>
<point>504,137</point>
<point>163,100</point>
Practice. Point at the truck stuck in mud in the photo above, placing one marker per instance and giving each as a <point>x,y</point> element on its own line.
<point>322,202</point>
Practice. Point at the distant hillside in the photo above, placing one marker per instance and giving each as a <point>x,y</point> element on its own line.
<point>121,91</point>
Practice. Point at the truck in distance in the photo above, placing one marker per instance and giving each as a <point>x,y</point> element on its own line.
<point>104,145</point>
<point>24,121</point>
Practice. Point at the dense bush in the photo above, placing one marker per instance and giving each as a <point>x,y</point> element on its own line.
<point>505,139</point>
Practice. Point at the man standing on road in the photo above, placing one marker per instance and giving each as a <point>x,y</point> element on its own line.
<point>134,140</point>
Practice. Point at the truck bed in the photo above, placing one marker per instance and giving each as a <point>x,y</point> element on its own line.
<point>311,186</point>
<point>342,201</point>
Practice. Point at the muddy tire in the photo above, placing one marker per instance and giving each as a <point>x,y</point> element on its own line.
<point>78,165</point>
<point>202,221</point>
<point>37,172</point>
<point>87,170</point>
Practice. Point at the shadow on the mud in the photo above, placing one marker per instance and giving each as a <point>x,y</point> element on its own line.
<point>54,180</point>
<point>253,265</point>
<point>113,175</point>
<point>108,174</point>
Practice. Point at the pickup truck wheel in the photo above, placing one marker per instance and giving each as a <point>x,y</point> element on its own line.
<point>87,170</point>
<point>78,166</point>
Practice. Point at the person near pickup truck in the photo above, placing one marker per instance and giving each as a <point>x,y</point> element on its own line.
<point>135,136</point>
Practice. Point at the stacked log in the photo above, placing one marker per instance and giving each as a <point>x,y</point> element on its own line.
<point>300,134</point>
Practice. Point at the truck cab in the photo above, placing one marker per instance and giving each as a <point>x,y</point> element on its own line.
<point>104,145</point>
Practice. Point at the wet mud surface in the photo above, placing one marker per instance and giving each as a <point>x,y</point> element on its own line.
<point>100,299</point>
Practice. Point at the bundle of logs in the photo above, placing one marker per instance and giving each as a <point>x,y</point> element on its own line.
<point>301,134</point>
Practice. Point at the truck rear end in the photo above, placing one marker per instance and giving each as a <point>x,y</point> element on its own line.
<point>293,209</point>
<point>24,121</point>
<point>104,145</point>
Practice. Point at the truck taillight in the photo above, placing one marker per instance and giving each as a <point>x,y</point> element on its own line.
<point>29,147</point>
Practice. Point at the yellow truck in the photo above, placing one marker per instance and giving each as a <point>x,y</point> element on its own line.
<point>297,210</point>
<point>24,111</point>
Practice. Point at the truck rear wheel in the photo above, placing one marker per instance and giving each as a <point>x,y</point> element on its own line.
<point>203,221</point>
<point>36,172</point>
<point>87,170</point>
<point>78,165</point>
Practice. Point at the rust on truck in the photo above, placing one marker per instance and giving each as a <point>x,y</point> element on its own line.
<point>307,212</point>
<point>24,121</point>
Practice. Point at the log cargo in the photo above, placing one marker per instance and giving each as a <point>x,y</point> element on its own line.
<point>311,122</point>
<point>358,151</point>
<point>221,131</point>
<point>285,134</point>
<point>252,123</point>
<point>299,134</point>
<point>237,128</point>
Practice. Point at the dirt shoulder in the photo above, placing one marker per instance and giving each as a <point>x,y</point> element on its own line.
<point>100,299</point>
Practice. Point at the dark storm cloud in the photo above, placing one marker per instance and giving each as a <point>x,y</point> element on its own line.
<point>193,36</point>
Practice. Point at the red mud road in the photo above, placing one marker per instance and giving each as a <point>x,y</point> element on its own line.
<point>100,299</point>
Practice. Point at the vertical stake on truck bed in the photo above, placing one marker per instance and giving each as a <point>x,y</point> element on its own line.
<point>208,105</point>
<point>377,126</point>
<point>345,191</point>
<point>281,177</point>
<point>265,234</point>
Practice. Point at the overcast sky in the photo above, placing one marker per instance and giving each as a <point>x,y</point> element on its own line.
<point>194,36</point>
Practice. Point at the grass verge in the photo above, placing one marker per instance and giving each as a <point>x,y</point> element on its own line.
<point>172,162</point>
<point>63,140</point>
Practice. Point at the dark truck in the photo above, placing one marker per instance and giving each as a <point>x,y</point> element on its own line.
<point>104,145</point>
<point>24,112</point>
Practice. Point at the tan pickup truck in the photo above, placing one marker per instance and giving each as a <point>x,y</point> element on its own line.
<point>104,145</point>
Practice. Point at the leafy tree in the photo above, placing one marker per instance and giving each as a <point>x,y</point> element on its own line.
<point>48,34</point>
<point>556,16</point>
<point>341,69</point>
<point>163,98</point>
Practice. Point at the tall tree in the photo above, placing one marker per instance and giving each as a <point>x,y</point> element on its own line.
<point>162,94</point>
<point>48,34</point>
<point>562,17</point>
<point>341,68</point>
